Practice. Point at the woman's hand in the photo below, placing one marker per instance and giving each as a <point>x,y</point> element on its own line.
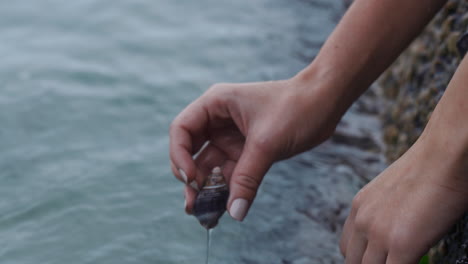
<point>246,128</point>
<point>398,216</point>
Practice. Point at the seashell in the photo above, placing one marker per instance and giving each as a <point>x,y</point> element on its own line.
<point>210,203</point>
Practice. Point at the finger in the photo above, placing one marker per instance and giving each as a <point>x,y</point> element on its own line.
<point>393,259</point>
<point>176,172</point>
<point>346,234</point>
<point>247,176</point>
<point>187,135</point>
<point>374,254</point>
<point>190,196</point>
<point>348,229</point>
<point>228,169</point>
<point>181,176</point>
<point>229,140</point>
<point>356,248</point>
<point>398,257</point>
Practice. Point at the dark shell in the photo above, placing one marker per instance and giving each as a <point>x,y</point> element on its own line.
<point>210,205</point>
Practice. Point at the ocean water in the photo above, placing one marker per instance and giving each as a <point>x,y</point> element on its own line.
<point>87,91</point>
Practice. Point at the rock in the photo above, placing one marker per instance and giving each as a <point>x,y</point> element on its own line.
<point>452,41</point>
<point>464,21</point>
<point>462,44</point>
<point>362,142</point>
<point>391,134</point>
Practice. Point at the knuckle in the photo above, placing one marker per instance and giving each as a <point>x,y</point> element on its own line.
<point>218,94</point>
<point>399,240</point>
<point>357,201</point>
<point>361,223</point>
<point>213,88</point>
<point>378,233</point>
<point>216,87</point>
<point>247,182</point>
<point>219,100</point>
<point>262,143</point>
<point>177,122</point>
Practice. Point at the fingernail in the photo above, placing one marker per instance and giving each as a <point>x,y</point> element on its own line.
<point>185,200</point>
<point>183,175</point>
<point>239,209</point>
<point>194,185</point>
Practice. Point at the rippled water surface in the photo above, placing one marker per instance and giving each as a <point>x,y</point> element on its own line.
<point>87,91</point>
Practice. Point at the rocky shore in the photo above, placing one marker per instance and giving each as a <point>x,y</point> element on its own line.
<point>411,87</point>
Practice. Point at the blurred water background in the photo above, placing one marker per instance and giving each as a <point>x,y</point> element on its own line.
<point>87,91</point>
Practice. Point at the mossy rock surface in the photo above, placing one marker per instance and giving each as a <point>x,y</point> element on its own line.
<point>412,87</point>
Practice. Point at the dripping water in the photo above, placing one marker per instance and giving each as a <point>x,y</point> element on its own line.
<point>208,245</point>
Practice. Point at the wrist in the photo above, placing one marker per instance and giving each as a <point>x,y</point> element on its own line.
<point>449,138</point>
<point>443,147</point>
<point>321,80</point>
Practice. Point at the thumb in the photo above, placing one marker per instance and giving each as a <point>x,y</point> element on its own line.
<point>253,164</point>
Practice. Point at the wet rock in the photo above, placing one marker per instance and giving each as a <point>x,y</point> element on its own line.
<point>362,142</point>
<point>452,41</point>
<point>462,44</point>
<point>464,20</point>
<point>453,248</point>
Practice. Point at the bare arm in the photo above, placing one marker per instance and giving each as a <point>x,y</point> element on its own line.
<point>367,40</point>
<point>448,127</point>
<point>398,216</point>
<point>369,37</point>
<point>250,126</point>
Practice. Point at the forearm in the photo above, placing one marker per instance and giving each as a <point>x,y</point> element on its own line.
<point>447,130</point>
<point>367,40</point>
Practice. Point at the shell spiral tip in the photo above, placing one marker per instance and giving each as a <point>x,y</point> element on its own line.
<point>216,170</point>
